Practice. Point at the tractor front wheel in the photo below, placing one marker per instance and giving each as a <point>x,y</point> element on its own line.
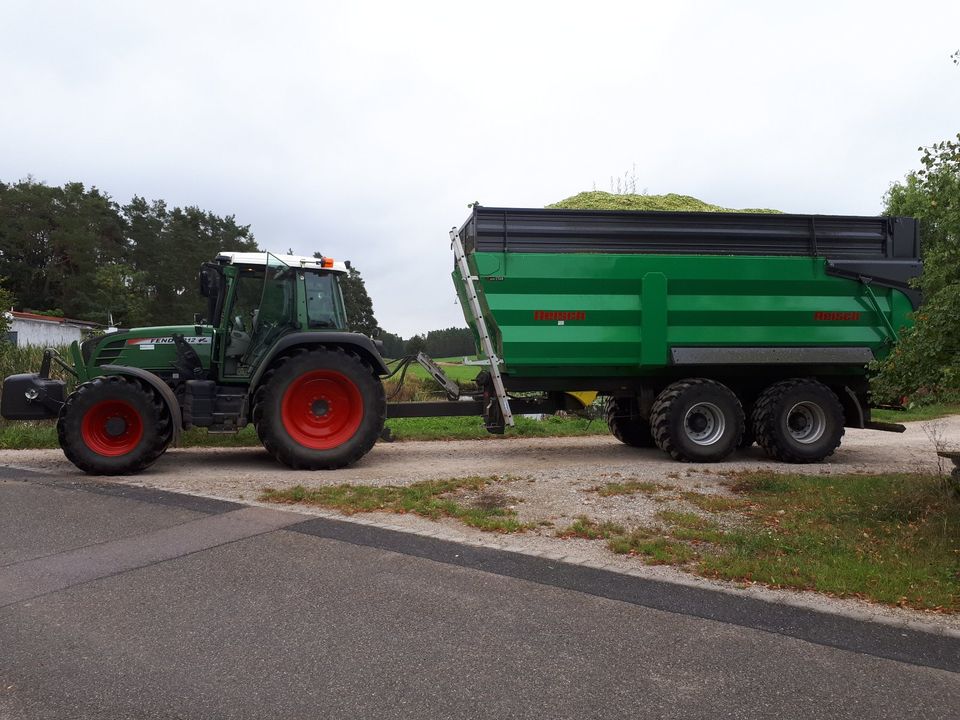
<point>320,409</point>
<point>113,426</point>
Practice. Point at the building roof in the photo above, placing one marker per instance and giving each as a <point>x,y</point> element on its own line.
<point>37,317</point>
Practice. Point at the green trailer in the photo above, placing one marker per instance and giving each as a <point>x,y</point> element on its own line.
<point>705,331</point>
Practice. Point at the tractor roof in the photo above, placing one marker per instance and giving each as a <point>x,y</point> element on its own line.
<point>260,258</point>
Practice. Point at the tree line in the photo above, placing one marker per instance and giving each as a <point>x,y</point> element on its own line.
<point>449,342</point>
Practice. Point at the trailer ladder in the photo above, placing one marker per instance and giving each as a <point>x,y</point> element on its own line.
<point>485,342</point>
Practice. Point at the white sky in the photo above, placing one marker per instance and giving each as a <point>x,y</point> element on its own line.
<point>363,129</point>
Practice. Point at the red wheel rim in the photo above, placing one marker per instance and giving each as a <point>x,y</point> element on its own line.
<point>112,428</point>
<point>322,409</point>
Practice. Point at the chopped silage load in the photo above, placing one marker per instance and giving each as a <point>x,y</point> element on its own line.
<point>597,200</point>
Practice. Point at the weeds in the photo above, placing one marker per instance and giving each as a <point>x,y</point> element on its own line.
<point>630,487</point>
<point>584,527</point>
<point>430,498</point>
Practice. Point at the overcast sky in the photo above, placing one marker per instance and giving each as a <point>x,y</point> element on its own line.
<point>363,129</point>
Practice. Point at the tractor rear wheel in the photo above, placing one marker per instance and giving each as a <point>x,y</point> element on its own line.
<point>113,426</point>
<point>697,420</point>
<point>319,409</point>
<point>798,421</point>
<point>625,424</point>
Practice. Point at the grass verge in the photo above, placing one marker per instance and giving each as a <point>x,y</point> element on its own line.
<point>893,539</point>
<point>922,412</point>
<point>469,500</point>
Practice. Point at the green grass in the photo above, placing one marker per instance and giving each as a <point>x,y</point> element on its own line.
<point>893,539</point>
<point>714,503</point>
<point>430,498</point>
<point>584,527</point>
<point>471,428</point>
<point>28,435</point>
<point>655,549</point>
<point>460,373</point>
<point>628,487</point>
<point>889,538</point>
<point>921,412</point>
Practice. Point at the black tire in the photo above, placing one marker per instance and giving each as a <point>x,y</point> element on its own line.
<point>625,424</point>
<point>749,437</point>
<point>113,426</point>
<point>697,420</point>
<point>319,409</point>
<point>798,421</point>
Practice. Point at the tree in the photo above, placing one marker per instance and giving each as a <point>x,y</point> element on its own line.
<point>393,345</point>
<point>53,239</point>
<point>6,300</point>
<point>359,306</point>
<point>415,345</point>
<point>926,363</point>
<point>74,248</point>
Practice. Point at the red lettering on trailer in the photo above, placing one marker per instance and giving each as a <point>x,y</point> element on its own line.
<point>836,316</point>
<point>556,315</point>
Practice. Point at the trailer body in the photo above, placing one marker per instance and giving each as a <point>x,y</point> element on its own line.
<point>630,303</point>
<point>602,294</point>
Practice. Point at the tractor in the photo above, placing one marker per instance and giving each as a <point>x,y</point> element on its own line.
<point>273,349</point>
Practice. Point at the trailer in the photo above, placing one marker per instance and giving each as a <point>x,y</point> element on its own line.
<point>705,331</point>
<point>702,332</point>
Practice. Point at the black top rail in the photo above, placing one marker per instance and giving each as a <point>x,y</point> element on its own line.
<point>690,233</point>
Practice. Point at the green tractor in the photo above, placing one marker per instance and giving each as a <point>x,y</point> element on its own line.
<point>273,350</point>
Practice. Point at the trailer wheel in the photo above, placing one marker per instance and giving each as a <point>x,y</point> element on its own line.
<point>625,424</point>
<point>697,420</point>
<point>798,421</point>
<point>320,409</point>
<point>113,426</point>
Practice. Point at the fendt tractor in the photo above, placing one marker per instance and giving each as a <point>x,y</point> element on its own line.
<point>704,332</point>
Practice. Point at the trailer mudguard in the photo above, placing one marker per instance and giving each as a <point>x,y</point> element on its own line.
<point>169,399</point>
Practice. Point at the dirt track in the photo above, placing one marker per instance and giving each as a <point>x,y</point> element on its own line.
<point>549,481</point>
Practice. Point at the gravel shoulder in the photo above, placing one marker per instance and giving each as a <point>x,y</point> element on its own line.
<point>551,480</point>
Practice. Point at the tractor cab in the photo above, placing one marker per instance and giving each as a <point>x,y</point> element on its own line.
<point>253,299</point>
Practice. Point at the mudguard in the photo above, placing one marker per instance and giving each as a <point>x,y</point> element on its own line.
<point>358,343</point>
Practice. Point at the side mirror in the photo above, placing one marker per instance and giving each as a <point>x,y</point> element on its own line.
<point>209,281</point>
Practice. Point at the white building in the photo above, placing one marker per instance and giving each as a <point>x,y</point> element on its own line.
<point>29,329</point>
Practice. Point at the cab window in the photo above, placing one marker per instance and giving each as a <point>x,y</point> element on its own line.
<point>324,303</point>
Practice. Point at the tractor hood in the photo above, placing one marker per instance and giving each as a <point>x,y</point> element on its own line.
<point>150,348</point>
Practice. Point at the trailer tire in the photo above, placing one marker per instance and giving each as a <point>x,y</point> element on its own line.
<point>113,425</point>
<point>625,425</point>
<point>319,409</point>
<point>697,420</point>
<point>798,421</point>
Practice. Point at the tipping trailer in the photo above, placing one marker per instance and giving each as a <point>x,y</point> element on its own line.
<point>703,331</point>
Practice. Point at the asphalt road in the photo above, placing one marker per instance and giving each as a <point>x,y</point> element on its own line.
<point>119,602</point>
